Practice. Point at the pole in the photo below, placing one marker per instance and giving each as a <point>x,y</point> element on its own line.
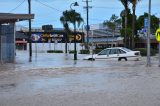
<point>30,41</point>
<point>36,49</point>
<point>75,48</point>
<point>82,35</point>
<point>1,44</point>
<point>148,37</point>
<point>87,24</point>
<point>92,46</point>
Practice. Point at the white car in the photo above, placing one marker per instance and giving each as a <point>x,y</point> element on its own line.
<point>115,53</point>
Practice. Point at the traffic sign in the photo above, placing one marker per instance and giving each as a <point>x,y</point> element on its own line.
<point>158,35</point>
<point>145,22</point>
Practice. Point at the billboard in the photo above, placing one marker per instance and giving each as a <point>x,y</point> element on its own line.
<point>40,37</point>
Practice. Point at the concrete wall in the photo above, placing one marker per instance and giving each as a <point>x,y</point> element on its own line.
<point>7,43</point>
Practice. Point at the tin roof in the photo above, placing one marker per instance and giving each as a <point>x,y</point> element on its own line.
<point>9,18</point>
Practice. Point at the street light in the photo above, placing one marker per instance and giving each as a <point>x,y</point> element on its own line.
<point>75,47</point>
<point>74,4</point>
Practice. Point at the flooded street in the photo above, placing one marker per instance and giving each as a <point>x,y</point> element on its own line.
<point>58,80</point>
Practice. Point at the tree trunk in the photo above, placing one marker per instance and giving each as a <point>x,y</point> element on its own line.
<point>125,36</point>
<point>66,39</point>
<point>133,26</point>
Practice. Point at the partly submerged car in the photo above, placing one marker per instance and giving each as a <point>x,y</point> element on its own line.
<point>115,53</point>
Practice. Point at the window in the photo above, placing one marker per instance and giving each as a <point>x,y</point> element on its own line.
<point>121,51</point>
<point>113,51</point>
<point>104,52</point>
<point>128,50</point>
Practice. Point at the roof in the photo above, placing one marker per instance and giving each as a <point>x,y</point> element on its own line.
<point>115,39</point>
<point>8,17</point>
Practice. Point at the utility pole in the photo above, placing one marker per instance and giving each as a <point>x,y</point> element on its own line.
<point>87,9</point>
<point>87,23</point>
<point>29,34</point>
<point>148,37</point>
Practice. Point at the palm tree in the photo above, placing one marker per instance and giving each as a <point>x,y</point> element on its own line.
<point>71,16</point>
<point>112,25</point>
<point>134,3</point>
<point>66,28</point>
<point>125,4</point>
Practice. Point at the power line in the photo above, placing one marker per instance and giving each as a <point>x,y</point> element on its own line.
<point>106,7</point>
<point>17,6</point>
<point>48,6</point>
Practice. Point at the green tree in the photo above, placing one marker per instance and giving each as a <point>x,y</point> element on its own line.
<point>125,3</point>
<point>134,4</point>
<point>64,21</point>
<point>71,16</point>
<point>154,22</point>
<point>112,24</point>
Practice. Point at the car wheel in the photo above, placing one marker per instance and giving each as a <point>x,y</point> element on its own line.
<point>122,58</point>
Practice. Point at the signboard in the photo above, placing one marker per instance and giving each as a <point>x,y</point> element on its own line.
<point>145,22</point>
<point>40,37</point>
<point>35,37</point>
<point>158,35</point>
<point>144,30</point>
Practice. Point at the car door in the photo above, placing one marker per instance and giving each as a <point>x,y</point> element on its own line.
<point>121,53</point>
<point>104,54</point>
<point>113,54</point>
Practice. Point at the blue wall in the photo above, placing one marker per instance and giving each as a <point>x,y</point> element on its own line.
<point>7,43</point>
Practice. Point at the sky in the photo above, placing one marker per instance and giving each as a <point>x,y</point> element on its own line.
<point>49,11</point>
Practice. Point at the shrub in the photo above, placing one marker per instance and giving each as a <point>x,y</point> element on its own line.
<point>97,51</point>
<point>144,51</point>
<point>54,51</point>
<point>84,52</point>
<point>71,51</point>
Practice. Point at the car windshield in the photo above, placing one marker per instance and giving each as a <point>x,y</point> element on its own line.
<point>128,50</point>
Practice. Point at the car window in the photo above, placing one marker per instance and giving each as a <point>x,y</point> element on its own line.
<point>121,51</point>
<point>104,52</point>
<point>113,51</point>
<point>128,50</point>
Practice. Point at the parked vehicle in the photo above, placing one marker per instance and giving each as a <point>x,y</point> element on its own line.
<point>115,53</point>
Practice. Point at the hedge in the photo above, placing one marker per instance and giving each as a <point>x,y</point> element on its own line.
<point>96,51</point>
<point>71,51</point>
<point>144,51</point>
<point>84,52</point>
<point>54,51</point>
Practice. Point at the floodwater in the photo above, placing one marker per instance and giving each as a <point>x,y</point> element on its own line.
<point>58,80</point>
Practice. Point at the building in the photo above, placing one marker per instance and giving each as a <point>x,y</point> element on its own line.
<point>7,34</point>
<point>21,41</point>
<point>102,37</point>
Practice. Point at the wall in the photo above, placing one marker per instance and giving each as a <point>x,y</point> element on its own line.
<point>7,43</point>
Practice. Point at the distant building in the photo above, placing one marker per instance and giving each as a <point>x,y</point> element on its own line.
<point>102,37</point>
<point>21,41</point>
<point>141,42</point>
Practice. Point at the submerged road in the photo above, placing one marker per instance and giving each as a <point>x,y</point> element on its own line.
<point>62,82</point>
